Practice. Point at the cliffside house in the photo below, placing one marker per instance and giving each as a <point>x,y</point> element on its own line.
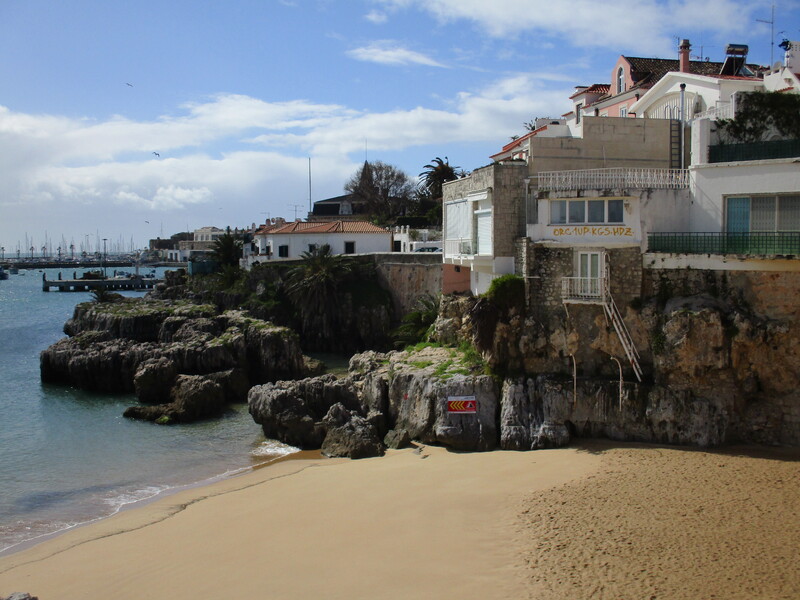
<point>285,241</point>
<point>581,214</point>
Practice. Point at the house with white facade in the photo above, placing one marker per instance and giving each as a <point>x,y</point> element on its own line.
<point>286,241</point>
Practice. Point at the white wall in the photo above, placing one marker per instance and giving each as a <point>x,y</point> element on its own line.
<point>299,242</point>
<point>712,182</point>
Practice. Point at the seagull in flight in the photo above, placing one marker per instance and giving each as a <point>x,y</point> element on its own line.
<point>129,84</point>
<point>157,154</point>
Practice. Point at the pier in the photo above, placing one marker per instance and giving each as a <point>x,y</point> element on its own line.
<point>87,285</point>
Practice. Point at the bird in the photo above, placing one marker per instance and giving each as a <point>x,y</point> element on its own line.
<point>129,84</point>
<point>148,222</point>
<point>157,154</point>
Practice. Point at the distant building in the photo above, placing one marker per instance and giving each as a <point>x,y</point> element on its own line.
<point>282,241</point>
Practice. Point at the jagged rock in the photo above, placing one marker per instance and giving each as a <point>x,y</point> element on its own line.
<point>418,403</point>
<point>350,435</point>
<point>551,435</point>
<point>194,397</point>
<point>21,596</point>
<point>397,439</point>
<point>153,380</point>
<point>292,411</point>
<point>234,383</point>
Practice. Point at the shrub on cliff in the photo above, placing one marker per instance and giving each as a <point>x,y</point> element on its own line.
<point>416,325</point>
<point>507,292</point>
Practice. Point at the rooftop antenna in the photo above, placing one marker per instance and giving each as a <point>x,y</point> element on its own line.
<point>295,207</point>
<point>771,24</point>
<point>310,209</point>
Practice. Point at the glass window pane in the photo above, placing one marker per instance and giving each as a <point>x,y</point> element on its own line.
<point>558,211</point>
<point>737,216</point>
<point>789,213</point>
<point>762,214</point>
<point>597,211</point>
<point>577,211</point>
<point>615,211</point>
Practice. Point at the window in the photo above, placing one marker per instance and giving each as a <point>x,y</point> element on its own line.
<point>312,248</point>
<point>620,80</point>
<point>577,211</point>
<point>623,111</point>
<point>283,251</point>
<point>615,211</point>
<point>768,213</point>
<point>349,247</point>
<point>558,212</point>
<point>578,108</point>
<point>596,210</point>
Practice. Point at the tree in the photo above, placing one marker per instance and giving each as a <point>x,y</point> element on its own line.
<point>759,114</point>
<point>227,249</point>
<point>437,174</point>
<point>313,286</point>
<point>386,190</point>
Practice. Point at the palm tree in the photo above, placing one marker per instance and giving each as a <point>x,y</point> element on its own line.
<point>436,174</point>
<point>227,249</point>
<point>313,287</point>
<point>417,324</point>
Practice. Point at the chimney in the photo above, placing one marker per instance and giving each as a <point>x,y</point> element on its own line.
<point>683,54</point>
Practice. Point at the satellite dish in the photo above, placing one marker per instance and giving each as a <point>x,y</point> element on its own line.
<point>777,66</point>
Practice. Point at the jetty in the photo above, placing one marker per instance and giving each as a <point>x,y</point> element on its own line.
<point>87,285</point>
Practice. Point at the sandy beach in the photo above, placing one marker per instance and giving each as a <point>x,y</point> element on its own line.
<point>600,520</point>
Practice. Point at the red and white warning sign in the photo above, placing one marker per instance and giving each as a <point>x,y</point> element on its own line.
<point>462,404</point>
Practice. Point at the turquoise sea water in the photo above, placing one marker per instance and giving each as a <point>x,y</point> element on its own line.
<point>69,457</point>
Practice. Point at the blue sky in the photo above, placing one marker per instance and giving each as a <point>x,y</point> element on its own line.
<point>236,96</point>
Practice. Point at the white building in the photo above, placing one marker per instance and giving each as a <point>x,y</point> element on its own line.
<point>289,240</point>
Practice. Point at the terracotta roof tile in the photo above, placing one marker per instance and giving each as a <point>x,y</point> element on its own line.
<point>595,88</point>
<point>323,227</point>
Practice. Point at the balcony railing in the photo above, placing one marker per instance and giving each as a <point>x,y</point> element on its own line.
<point>758,244</point>
<point>616,178</point>
<point>723,111</point>
<point>583,289</point>
<point>754,151</point>
<point>459,247</point>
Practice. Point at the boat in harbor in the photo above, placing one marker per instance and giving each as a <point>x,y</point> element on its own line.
<point>3,274</point>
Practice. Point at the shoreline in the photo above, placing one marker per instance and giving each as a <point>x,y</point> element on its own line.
<point>601,519</point>
<point>155,497</point>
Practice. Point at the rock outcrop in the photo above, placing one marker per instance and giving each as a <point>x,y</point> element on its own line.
<point>149,347</point>
<point>405,392</point>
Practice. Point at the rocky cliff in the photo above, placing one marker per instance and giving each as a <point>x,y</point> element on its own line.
<point>716,371</point>
<point>184,359</point>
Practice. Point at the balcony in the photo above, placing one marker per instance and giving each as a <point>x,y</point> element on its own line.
<point>753,244</point>
<point>459,247</point>
<point>616,178</point>
<point>584,290</point>
<point>754,151</point>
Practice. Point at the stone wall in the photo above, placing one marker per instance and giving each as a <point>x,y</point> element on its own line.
<point>607,142</point>
<point>407,276</point>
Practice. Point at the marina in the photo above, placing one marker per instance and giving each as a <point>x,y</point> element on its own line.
<point>132,282</point>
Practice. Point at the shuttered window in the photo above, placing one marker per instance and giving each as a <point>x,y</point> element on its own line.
<point>484,228</point>
<point>459,220</point>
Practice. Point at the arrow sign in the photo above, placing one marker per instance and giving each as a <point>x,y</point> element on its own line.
<point>462,404</point>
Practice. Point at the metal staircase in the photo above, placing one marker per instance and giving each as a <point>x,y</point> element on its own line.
<point>613,314</point>
<point>587,290</point>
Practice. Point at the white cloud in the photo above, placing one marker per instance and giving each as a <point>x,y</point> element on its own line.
<point>645,26</point>
<point>87,174</point>
<point>387,52</point>
<point>376,17</point>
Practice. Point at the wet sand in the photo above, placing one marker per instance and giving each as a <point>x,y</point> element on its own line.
<point>600,520</point>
